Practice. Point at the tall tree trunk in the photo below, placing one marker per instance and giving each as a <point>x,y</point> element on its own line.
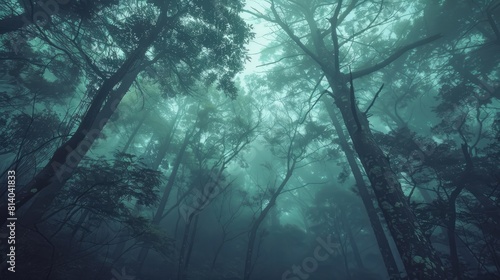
<point>452,212</point>
<point>83,216</point>
<point>378,230</point>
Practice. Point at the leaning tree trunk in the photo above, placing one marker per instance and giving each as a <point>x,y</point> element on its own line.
<point>418,256</point>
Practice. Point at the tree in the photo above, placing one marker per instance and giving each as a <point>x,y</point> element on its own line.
<point>418,256</point>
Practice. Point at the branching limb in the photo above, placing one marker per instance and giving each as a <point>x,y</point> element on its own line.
<point>342,16</point>
<point>374,98</point>
<point>395,56</point>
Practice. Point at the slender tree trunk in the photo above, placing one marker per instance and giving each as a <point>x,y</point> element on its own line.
<point>452,213</point>
<point>165,143</point>
<point>187,248</point>
<point>166,192</point>
<point>161,154</point>
<point>180,270</point>
<point>352,241</point>
<point>255,226</point>
<point>452,239</point>
<point>42,201</point>
<point>378,230</point>
<point>171,179</point>
<point>135,131</point>
<point>218,250</point>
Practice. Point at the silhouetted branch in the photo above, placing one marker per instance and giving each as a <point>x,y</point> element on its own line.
<point>297,41</point>
<point>374,98</point>
<point>395,56</point>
